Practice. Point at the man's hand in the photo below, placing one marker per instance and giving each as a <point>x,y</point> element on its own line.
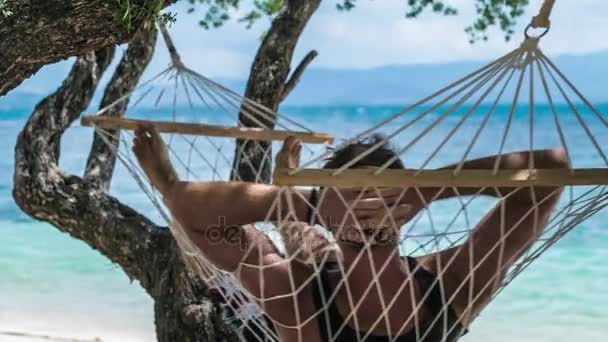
<point>356,214</point>
<point>153,157</point>
<point>289,155</point>
<point>353,214</point>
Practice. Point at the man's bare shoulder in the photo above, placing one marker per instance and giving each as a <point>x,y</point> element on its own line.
<point>443,265</point>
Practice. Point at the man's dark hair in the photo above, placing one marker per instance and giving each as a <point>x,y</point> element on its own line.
<point>376,158</point>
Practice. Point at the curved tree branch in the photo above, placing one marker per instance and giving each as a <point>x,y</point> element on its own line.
<point>79,207</point>
<point>266,85</point>
<point>102,159</point>
<point>297,74</point>
<point>68,202</point>
<point>40,32</point>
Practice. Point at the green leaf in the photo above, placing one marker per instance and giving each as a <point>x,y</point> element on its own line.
<point>500,13</point>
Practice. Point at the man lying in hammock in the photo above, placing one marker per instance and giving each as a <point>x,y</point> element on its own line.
<point>378,295</point>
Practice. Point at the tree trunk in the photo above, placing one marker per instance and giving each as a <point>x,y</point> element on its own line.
<point>81,207</point>
<point>102,158</point>
<point>267,86</point>
<point>41,32</point>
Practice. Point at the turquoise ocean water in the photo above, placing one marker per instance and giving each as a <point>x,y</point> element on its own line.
<point>53,284</point>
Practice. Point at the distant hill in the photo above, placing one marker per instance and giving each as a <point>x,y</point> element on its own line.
<point>391,84</point>
<point>400,84</point>
<point>18,99</point>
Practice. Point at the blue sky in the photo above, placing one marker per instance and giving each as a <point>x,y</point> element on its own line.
<point>374,34</point>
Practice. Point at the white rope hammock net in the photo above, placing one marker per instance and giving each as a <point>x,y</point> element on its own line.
<point>445,130</point>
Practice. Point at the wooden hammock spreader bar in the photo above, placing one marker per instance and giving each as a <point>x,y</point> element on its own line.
<point>106,122</point>
<point>441,178</point>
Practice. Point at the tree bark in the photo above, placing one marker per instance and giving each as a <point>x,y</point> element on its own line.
<point>82,208</point>
<point>297,74</point>
<point>41,32</point>
<point>102,159</point>
<point>267,84</point>
<point>79,207</point>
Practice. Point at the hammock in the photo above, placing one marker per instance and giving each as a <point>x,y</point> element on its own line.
<point>449,127</point>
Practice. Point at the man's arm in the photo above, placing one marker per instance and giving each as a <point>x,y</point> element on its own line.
<point>552,158</point>
<point>200,205</point>
<point>216,217</point>
<point>472,272</point>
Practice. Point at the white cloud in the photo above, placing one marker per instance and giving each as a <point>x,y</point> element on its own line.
<point>376,33</point>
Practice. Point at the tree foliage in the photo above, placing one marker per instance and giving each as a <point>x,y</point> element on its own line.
<point>496,12</point>
<point>490,13</point>
<point>4,10</point>
<point>217,12</point>
<point>131,14</point>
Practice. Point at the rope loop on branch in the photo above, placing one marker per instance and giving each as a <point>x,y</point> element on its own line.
<point>535,37</point>
<point>542,19</point>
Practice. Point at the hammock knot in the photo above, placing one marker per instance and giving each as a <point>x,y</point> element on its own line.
<point>248,311</point>
<point>530,44</point>
<point>177,63</point>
